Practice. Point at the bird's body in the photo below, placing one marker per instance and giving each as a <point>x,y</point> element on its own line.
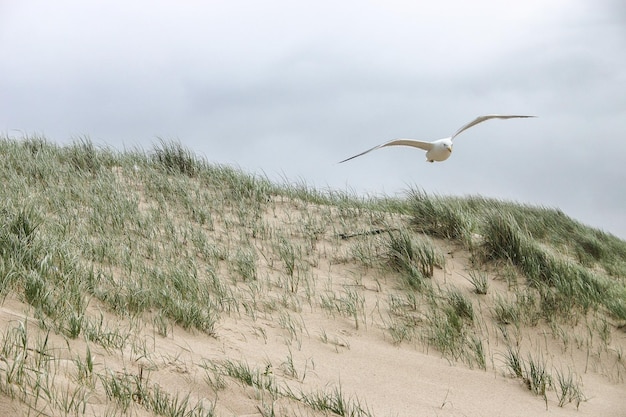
<point>438,150</point>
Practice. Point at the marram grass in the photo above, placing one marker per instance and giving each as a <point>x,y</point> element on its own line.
<point>163,238</point>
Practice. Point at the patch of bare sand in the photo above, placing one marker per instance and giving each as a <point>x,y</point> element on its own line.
<point>392,380</point>
<point>11,407</point>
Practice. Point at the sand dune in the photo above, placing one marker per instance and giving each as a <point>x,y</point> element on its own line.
<point>339,325</point>
<point>328,352</point>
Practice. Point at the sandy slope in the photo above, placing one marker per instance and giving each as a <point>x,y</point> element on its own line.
<point>392,380</point>
<point>310,349</point>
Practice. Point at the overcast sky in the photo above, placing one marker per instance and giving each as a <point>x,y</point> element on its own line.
<point>288,88</point>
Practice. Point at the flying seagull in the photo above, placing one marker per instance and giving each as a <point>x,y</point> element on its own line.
<point>438,150</point>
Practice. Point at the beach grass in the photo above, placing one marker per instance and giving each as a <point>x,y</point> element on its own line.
<point>114,254</point>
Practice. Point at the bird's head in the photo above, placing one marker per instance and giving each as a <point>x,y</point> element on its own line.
<point>448,147</point>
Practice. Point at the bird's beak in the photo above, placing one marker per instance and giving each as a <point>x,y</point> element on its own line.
<point>450,149</point>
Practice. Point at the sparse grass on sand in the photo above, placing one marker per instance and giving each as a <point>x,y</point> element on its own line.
<point>156,283</point>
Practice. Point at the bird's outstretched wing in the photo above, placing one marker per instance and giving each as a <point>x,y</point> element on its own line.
<point>481,119</point>
<point>396,142</point>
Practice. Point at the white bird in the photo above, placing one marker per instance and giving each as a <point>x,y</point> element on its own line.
<point>438,150</point>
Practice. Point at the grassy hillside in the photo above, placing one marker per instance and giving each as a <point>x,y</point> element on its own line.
<point>134,283</point>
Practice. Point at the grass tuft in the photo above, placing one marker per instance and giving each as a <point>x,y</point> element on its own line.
<point>176,159</point>
<point>415,259</point>
<point>440,217</point>
<point>479,281</point>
